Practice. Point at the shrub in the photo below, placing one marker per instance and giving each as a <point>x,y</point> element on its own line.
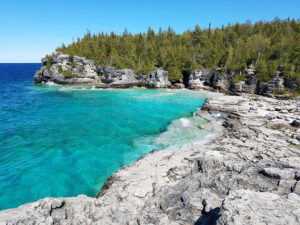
<point>238,78</point>
<point>81,69</point>
<point>73,64</point>
<point>49,62</point>
<point>175,74</point>
<point>68,74</point>
<point>60,69</point>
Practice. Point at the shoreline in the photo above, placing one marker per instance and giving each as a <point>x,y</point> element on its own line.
<point>254,157</point>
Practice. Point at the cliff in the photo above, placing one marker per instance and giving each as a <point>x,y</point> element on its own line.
<point>64,69</point>
<point>248,174</point>
<point>249,83</point>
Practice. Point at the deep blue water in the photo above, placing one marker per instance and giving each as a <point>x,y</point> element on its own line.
<point>64,141</point>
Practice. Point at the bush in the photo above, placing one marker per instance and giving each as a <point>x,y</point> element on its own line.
<point>68,74</point>
<point>60,69</point>
<point>174,74</point>
<point>238,78</point>
<point>73,64</point>
<point>49,62</point>
<point>81,69</point>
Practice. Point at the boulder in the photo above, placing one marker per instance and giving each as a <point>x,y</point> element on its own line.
<point>295,123</point>
<point>179,85</point>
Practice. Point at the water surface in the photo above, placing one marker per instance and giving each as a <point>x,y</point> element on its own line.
<point>64,141</point>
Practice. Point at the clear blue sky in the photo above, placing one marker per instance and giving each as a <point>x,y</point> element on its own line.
<point>29,29</point>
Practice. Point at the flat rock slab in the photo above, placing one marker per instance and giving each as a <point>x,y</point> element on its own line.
<point>248,207</point>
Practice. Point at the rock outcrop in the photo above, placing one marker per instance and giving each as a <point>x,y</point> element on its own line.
<point>158,79</point>
<point>240,207</point>
<point>250,84</point>
<point>248,174</point>
<point>64,69</point>
<point>126,78</point>
<point>199,79</point>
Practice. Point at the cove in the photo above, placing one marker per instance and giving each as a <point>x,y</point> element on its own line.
<point>67,140</point>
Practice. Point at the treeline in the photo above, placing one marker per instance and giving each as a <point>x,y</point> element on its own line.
<point>264,45</point>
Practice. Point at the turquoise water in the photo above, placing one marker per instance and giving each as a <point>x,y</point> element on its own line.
<point>64,141</point>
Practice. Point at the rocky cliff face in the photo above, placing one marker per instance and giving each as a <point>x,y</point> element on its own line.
<point>248,174</point>
<point>158,79</point>
<point>63,69</point>
<point>213,79</point>
<point>126,78</point>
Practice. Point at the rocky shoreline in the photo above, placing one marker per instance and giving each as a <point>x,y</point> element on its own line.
<point>248,174</point>
<point>65,69</point>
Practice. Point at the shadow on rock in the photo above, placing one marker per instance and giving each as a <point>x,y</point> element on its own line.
<point>209,218</point>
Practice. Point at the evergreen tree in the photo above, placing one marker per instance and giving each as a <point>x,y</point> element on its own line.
<point>265,45</point>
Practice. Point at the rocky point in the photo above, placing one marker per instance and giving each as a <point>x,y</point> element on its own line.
<point>249,173</point>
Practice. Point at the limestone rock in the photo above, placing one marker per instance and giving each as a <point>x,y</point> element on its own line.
<point>199,78</point>
<point>279,173</point>
<point>158,79</point>
<point>126,78</point>
<point>248,207</point>
<point>64,69</point>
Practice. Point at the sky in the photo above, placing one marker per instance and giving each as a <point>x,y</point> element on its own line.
<point>30,29</point>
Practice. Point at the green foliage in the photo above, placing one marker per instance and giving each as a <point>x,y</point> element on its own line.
<point>262,71</point>
<point>60,69</point>
<point>174,74</point>
<point>49,62</point>
<point>73,64</point>
<point>68,74</point>
<point>265,45</point>
<point>238,78</point>
<point>81,69</point>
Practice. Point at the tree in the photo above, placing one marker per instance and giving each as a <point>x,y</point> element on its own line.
<point>262,70</point>
<point>265,45</point>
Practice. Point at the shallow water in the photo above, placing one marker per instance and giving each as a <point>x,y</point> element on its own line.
<point>64,141</point>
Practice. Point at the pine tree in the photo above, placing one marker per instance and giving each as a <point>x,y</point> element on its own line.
<point>266,45</point>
